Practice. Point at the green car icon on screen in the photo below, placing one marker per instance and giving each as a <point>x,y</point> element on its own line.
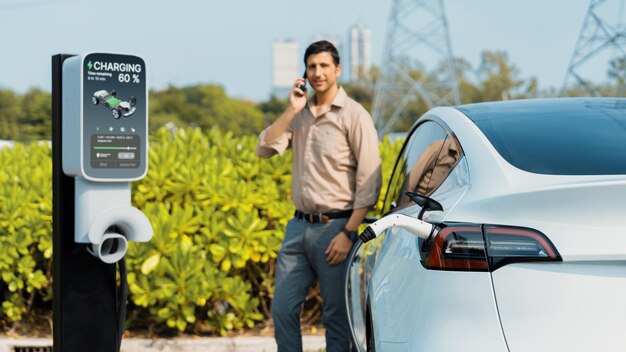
<point>118,106</point>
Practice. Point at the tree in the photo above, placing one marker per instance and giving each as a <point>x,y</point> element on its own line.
<point>35,120</point>
<point>10,112</point>
<point>272,108</point>
<point>403,103</point>
<point>206,107</point>
<point>362,93</point>
<point>364,88</point>
<point>469,92</point>
<point>165,107</point>
<point>499,79</point>
<point>617,77</point>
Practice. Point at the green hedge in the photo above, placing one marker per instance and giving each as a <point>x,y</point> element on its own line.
<point>218,213</point>
<point>25,228</point>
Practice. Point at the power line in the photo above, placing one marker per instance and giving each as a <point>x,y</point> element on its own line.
<point>416,29</point>
<point>597,36</point>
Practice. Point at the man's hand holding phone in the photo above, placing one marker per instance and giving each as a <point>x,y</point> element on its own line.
<point>298,93</point>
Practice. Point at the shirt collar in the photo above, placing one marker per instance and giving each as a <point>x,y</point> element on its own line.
<point>340,98</point>
<point>339,101</point>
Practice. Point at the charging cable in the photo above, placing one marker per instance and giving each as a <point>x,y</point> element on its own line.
<point>415,226</point>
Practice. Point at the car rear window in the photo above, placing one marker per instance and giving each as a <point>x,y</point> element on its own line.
<point>557,136</point>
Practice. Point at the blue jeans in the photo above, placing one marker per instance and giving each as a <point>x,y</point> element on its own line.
<point>300,261</point>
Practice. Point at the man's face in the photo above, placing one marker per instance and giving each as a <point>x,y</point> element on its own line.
<point>321,71</point>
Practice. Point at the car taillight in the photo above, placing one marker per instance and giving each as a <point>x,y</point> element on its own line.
<point>507,245</point>
<point>469,247</point>
<point>458,248</point>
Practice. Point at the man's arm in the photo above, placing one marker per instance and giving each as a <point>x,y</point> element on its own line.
<point>356,219</point>
<point>269,140</point>
<point>339,247</point>
<point>280,126</point>
<point>364,143</point>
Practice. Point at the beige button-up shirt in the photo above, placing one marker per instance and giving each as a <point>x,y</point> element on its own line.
<point>336,163</point>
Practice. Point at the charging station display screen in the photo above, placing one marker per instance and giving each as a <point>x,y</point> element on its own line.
<point>114,116</point>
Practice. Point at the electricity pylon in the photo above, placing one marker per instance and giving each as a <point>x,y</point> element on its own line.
<point>417,32</point>
<point>600,40</point>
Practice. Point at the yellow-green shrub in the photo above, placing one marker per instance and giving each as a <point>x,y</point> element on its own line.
<point>218,211</point>
<point>25,227</point>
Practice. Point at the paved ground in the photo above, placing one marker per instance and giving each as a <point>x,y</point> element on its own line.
<point>201,344</point>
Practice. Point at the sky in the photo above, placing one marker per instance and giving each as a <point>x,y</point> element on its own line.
<point>229,42</point>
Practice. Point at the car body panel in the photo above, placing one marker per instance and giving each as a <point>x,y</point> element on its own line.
<point>431,301</point>
<point>569,306</point>
<point>401,260</point>
<point>573,305</point>
<point>599,235</point>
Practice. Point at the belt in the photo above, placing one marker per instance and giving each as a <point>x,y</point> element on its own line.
<point>322,217</point>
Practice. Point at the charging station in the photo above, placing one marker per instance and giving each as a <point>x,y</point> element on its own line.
<point>99,146</point>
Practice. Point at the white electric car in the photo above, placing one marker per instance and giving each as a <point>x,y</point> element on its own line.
<point>529,251</point>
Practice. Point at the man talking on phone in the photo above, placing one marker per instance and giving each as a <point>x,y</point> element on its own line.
<point>336,179</point>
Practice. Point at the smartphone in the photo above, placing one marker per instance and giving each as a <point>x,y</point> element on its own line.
<point>303,86</point>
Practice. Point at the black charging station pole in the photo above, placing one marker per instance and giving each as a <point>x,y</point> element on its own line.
<point>84,287</point>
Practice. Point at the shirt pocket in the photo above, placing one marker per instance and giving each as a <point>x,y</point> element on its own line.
<point>329,141</point>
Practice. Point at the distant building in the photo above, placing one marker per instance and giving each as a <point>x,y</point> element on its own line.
<point>286,66</point>
<point>360,52</point>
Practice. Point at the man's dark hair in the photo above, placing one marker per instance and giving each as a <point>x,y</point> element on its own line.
<point>319,47</point>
